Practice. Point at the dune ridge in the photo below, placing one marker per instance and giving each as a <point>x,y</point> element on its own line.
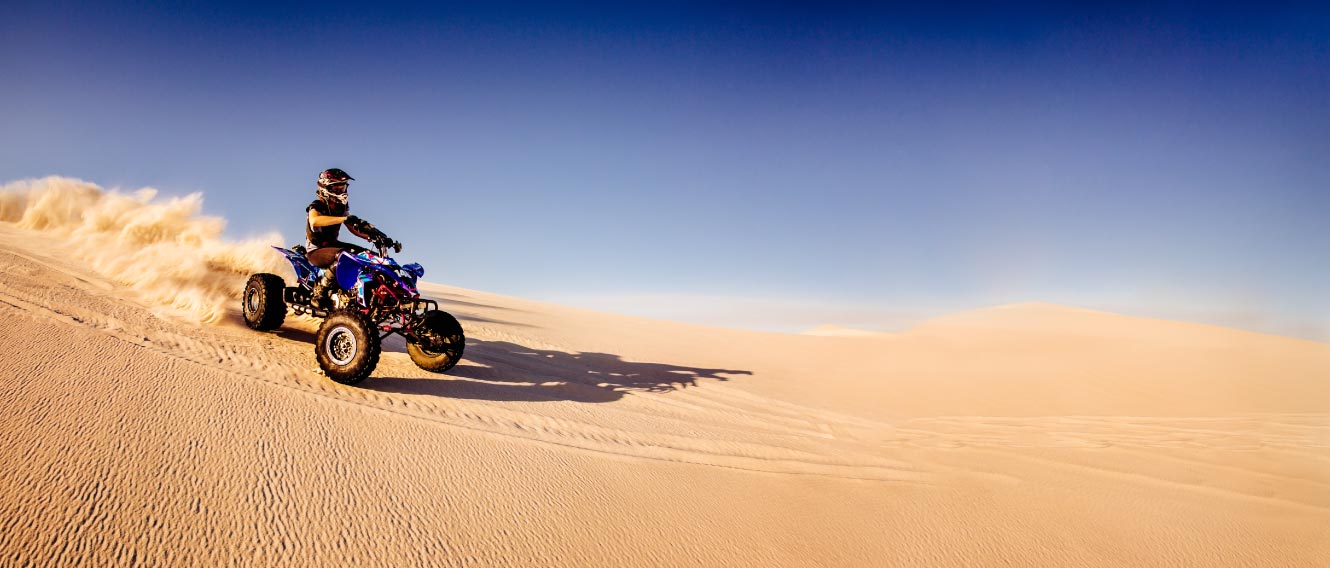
<point>839,331</point>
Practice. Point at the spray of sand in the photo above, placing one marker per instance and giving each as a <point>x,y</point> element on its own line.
<point>170,255</point>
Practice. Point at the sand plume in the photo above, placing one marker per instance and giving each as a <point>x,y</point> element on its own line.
<point>171,255</point>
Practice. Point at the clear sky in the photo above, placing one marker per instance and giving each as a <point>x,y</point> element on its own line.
<point>772,165</point>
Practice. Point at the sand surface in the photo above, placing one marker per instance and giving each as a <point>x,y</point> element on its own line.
<point>1028,435</point>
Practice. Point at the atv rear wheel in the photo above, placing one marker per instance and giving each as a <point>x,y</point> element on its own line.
<point>439,342</point>
<point>347,346</point>
<point>262,303</point>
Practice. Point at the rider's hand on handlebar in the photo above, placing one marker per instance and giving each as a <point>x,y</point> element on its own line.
<point>382,240</point>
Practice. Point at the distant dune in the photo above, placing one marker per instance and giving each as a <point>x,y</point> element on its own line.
<point>838,331</point>
<point>1025,435</point>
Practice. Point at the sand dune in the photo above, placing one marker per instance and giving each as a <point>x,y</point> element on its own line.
<point>1026,435</point>
<point>839,331</point>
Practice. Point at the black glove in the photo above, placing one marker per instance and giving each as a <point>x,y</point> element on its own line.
<point>381,240</point>
<point>366,230</point>
<point>361,228</point>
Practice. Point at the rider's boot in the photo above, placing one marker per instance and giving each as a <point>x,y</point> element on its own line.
<point>321,294</point>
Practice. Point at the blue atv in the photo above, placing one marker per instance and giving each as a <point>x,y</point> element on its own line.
<point>373,298</point>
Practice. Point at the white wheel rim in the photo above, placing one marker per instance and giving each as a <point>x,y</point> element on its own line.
<point>340,345</point>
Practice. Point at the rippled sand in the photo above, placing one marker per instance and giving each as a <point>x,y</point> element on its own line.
<point>1028,435</point>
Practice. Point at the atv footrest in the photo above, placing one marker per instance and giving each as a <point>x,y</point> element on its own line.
<point>299,301</point>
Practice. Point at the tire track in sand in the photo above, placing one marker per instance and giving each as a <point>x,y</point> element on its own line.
<point>62,300</point>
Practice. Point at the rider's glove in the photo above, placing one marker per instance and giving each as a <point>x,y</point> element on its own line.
<point>382,240</point>
<point>361,227</point>
<point>371,233</point>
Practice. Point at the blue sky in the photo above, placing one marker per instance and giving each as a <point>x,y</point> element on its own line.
<point>775,166</point>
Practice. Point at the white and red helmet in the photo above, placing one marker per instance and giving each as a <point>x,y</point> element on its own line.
<point>333,184</point>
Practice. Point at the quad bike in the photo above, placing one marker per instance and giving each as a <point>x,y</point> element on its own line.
<point>373,297</point>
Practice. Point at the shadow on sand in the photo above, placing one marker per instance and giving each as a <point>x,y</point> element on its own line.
<point>497,370</point>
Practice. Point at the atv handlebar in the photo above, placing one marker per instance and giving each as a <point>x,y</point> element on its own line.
<point>383,243</point>
<point>369,232</point>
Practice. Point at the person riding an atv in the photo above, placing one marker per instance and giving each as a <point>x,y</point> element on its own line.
<point>363,296</point>
<point>324,221</point>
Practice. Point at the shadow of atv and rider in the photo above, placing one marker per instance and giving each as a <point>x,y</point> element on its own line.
<point>500,370</point>
<point>505,371</point>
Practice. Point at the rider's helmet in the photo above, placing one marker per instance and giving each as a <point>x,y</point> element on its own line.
<point>333,183</point>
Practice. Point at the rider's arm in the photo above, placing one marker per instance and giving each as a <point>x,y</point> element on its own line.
<point>366,230</point>
<point>318,220</point>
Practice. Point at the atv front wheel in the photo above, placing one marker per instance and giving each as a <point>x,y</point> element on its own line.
<point>262,303</point>
<point>347,347</point>
<point>438,343</point>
